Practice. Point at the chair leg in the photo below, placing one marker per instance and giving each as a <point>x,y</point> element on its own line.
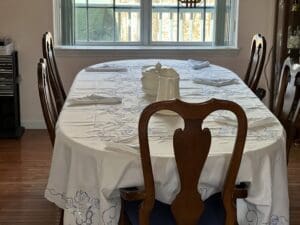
<point>61,220</point>
<point>123,217</point>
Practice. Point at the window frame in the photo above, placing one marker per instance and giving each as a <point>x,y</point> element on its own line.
<point>146,31</point>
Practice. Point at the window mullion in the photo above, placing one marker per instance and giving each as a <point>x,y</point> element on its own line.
<point>114,19</point>
<point>87,21</point>
<point>220,22</point>
<point>178,21</point>
<point>146,11</point>
<point>204,22</point>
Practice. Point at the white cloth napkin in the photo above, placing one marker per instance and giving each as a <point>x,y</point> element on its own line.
<point>197,65</point>
<point>252,122</point>
<point>105,68</point>
<point>215,82</point>
<point>121,147</point>
<point>94,99</point>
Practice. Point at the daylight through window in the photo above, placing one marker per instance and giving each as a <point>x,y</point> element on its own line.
<point>146,22</point>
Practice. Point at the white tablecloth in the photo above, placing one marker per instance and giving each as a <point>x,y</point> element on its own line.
<point>96,148</point>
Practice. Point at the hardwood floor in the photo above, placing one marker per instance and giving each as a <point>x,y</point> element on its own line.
<point>24,167</point>
<point>294,186</point>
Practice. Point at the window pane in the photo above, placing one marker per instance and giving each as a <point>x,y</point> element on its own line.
<point>197,27</point>
<point>228,23</point>
<point>121,21</point>
<point>107,20</point>
<point>209,26</point>
<point>164,3</point>
<point>184,27</point>
<point>201,4</point>
<point>81,24</point>
<point>127,25</point>
<point>101,24</point>
<point>82,2</point>
<point>127,20</point>
<point>127,2</point>
<point>211,3</point>
<point>192,24</point>
<point>101,2</point>
<point>135,26</point>
<point>164,20</point>
<point>164,26</point>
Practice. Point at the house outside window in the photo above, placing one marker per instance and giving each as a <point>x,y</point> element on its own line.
<point>147,23</point>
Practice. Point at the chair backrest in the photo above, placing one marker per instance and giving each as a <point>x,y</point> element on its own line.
<point>288,91</point>
<point>191,148</point>
<point>287,104</point>
<point>47,98</point>
<point>257,60</point>
<point>55,79</point>
<point>294,129</point>
<point>296,118</point>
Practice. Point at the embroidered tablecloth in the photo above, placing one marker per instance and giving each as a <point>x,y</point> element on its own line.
<point>96,148</point>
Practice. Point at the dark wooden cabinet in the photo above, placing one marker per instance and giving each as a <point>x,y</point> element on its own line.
<point>280,43</point>
<point>282,21</point>
<point>10,126</point>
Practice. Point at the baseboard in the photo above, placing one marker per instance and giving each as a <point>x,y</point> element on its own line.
<point>29,124</point>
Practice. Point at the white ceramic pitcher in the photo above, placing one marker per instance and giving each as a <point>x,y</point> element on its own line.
<point>168,85</point>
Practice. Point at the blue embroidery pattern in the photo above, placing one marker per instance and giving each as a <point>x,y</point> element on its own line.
<point>109,215</point>
<point>278,220</point>
<point>252,218</point>
<point>81,205</point>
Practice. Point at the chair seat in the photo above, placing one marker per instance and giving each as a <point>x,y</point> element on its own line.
<point>213,214</point>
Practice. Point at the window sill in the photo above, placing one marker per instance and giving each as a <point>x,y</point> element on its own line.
<point>117,50</point>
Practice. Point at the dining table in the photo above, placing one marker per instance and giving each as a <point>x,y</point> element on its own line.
<point>96,150</point>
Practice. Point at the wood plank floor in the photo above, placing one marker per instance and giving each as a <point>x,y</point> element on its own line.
<point>24,167</point>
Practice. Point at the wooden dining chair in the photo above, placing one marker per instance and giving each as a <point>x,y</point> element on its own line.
<point>293,131</point>
<point>48,53</point>
<point>191,148</point>
<point>47,99</point>
<point>287,100</point>
<point>256,63</point>
<point>48,104</point>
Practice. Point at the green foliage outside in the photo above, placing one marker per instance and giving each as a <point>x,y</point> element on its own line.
<point>100,24</point>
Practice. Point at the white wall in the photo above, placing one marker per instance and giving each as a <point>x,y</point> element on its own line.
<point>25,21</point>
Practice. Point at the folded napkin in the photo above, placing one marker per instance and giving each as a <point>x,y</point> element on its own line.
<point>120,147</point>
<point>94,99</point>
<point>105,68</point>
<point>252,122</point>
<point>215,82</point>
<point>197,65</point>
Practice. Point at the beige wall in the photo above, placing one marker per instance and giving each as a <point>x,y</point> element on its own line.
<point>26,20</point>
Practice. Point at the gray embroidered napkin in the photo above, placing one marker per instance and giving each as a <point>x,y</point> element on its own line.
<point>215,82</point>
<point>197,65</point>
<point>252,122</point>
<point>121,147</point>
<point>94,99</point>
<point>105,68</point>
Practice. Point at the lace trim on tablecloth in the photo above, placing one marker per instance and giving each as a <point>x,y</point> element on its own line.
<point>83,208</point>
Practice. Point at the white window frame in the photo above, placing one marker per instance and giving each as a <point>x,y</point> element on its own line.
<point>146,33</point>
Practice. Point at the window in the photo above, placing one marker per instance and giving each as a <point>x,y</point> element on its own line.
<point>146,22</point>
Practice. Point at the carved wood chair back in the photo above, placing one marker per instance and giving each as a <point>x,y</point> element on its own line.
<point>55,79</point>
<point>287,100</point>
<point>256,62</point>
<point>293,131</point>
<point>191,149</point>
<point>47,98</point>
